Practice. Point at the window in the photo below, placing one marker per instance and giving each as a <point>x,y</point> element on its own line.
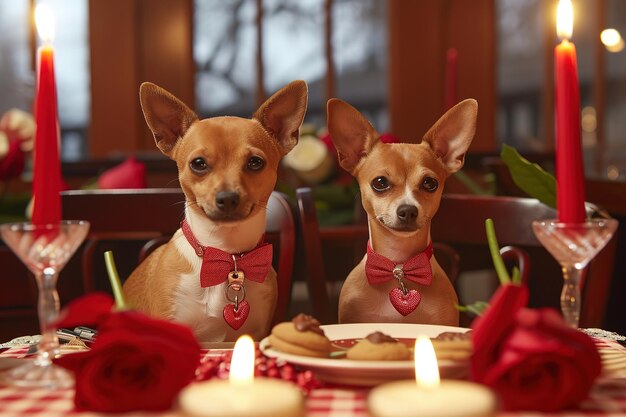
<point>293,48</point>
<point>526,36</point>
<point>520,28</point>
<point>17,82</point>
<point>361,57</point>
<point>224,48</point>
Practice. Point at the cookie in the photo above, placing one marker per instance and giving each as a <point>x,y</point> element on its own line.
<point>454,336</point>
<point>379,347</point>
<point>301,336</point>
<point>453,346</point>
<point>294,349</point>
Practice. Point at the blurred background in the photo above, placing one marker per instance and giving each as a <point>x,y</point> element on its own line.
<point>388,58</point>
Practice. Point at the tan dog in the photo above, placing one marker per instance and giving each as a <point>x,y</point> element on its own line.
<point>227,168</point>
<point>401,186</point>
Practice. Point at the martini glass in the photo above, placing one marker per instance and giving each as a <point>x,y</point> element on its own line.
<point>573,245</point>
<point>44,249</point>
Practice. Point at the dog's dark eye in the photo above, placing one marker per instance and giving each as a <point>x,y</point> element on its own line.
<point>380,184</point>
<point>199,166</point>
<point>430,184</point>
<point>255,163</point>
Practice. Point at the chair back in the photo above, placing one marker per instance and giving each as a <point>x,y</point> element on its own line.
<point>460,222</point>
<point>132,223</point>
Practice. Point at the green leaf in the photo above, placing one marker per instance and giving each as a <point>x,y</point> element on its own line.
<point>336,196</point>
<point>477,308</point>
<point>461,308</point>
<point>474,186</point>
<point>531,178</point>
<point>13,207</point>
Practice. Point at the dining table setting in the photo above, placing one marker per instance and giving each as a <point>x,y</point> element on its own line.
<point>317,387</point>
<point>99,356</point>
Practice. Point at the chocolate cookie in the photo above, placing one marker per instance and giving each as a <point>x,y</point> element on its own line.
<point>453,346</point>
<point>301,336</point>
<point>378,346</point>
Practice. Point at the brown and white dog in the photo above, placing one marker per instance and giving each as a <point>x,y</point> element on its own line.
<point>227,168</point>
<point>401,184</point>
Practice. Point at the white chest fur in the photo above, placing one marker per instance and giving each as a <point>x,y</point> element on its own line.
<point>202,308</point>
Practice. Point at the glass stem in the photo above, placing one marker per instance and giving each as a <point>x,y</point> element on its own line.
<point>570,296</point>
<point>48,310</point>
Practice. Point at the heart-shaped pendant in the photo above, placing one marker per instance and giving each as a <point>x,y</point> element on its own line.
<point>405,304</point>
<point>236,318</point>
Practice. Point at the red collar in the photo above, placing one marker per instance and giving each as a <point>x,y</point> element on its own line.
<point>380,269</point>
<point>217,264</point>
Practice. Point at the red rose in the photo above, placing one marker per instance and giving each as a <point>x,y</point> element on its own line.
<point>491,327</point>
<point>12,163</point>
<point>136,363</point>
<point>17,129</point>
<point>90,310</point>
<point>328,141</point>
<point>531,358</point>
<point>129,174</point>
<point>389,138</point>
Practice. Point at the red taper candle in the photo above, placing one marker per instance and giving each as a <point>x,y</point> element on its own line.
<point>46,164</point>
<point>570,174</point>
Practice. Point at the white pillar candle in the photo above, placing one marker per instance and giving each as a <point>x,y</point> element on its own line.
<point>449,399</point>
<point>242,395</point>
<point>427,396</point>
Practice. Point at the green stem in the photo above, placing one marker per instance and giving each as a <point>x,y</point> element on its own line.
<point>114,279</point>
<point>516,276</point>
<point>494,248</point>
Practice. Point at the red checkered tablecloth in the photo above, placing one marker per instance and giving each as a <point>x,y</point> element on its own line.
<point>608,398</point>
<point>17,353</point>
<point>45,403</point>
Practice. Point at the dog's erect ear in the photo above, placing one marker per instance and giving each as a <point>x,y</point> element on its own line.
<point>352,134</point>
<point>168,118</point>
<point>450,137</point>
<point>283,113</point>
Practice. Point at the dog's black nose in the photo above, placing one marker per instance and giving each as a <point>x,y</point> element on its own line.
<point>227,200</point>
<point>406,213</point>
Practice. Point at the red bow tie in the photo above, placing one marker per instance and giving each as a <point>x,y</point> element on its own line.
<point>379,269</point>
<point>216,264</point>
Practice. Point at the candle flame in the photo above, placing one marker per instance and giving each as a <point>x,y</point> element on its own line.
<point>44,20</point>
<point>242,363</point>
<point>426,368</point>
<point>564,19</point>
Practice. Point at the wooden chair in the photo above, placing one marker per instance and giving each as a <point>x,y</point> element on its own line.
<point>459,223</point>
<point>330,254</point>
<point>132,223</point>
<point>608,196</point>
<point>18,297</point>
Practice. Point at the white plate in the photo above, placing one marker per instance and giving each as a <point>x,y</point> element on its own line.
<point>369,373</point>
